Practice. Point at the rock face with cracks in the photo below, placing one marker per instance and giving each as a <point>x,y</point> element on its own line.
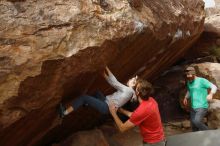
<point>53,51</point>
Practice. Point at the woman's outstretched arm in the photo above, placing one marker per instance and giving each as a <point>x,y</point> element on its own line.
<point>111,79</point>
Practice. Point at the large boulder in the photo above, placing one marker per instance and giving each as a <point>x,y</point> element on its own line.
<point>212,30</point>
<point>212,25</point>
<point>53,51</point>
<point>213,9</point>
<point>209,42</point>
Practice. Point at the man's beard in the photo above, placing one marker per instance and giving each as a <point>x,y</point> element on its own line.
<point>190,79</point>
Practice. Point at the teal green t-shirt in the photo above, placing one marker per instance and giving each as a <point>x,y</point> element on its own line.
<point>198,92</point>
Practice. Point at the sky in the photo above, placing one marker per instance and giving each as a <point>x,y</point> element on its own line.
<point>209,3</point>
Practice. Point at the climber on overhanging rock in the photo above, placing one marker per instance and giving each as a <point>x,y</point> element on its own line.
<point>197,92</point>
<point>99,101</point>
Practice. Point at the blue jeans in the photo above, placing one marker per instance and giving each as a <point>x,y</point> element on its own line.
<point>196,118</point>
<point>97,102</point>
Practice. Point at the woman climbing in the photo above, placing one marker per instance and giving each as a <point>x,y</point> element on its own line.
<point>118,98</point>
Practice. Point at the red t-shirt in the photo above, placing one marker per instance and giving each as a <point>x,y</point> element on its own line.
<point>147,117</point>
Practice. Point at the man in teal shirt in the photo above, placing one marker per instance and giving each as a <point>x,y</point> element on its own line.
<point>197,92</point>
